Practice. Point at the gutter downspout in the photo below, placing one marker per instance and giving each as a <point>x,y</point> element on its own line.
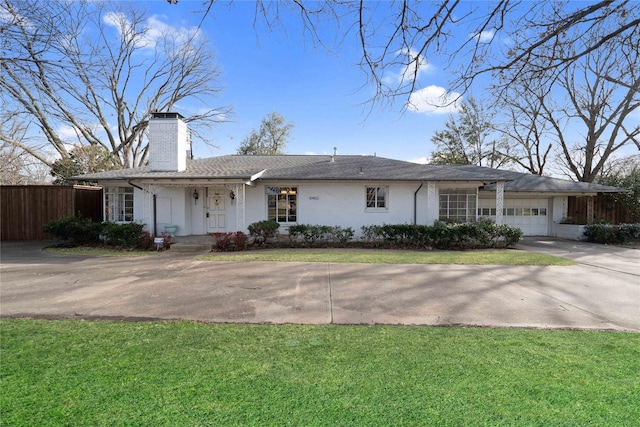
<point>415,203</point>
<point>155,226</point>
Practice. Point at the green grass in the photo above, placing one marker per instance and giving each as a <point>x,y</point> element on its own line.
<point>373,256</point>
<point>189,374</point>
<point>98,251</point>
<point>381,256</point>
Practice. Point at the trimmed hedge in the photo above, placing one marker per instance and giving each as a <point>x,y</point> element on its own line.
<point>474,235</point>
<point>79,231</point>
<point>612,234</point>
<point>127,235</point>
<point>83,231</point>
<point>325,233</point>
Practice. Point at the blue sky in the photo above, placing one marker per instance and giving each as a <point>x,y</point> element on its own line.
<point>323,93</point>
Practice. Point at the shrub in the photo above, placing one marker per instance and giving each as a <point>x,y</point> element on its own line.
<point>629,232</point>
<point>263,230</point>
<point>236,241</point>
<point>343,235</point>
<point>79,230</point>
<point>441,235</point>
<point>481,234</point>
<point>612,234</point>
<point>295,231</point>
<point>145,242</point>
<point>126,235</point>
<point>309,233</point>
<point>512,235</point>
<point>328,234</point>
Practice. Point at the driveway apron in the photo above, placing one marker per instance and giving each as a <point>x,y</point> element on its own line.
<point>592,294</point>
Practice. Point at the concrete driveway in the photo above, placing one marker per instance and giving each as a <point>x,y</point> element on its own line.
<point>601,292</point>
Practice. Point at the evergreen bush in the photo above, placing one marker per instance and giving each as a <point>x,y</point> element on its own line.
<point>79,230</point>
<point>481,234</point>
<point>612,234</point>
<point>263,230</point>
<point>128,235</point>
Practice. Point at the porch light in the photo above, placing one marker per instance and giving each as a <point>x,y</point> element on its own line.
<point>195,196</point>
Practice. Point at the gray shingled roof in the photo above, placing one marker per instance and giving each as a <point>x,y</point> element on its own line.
<point>361,168</point>
<point>525,182</point>
<point>223,167</point>
<point>299,167</point>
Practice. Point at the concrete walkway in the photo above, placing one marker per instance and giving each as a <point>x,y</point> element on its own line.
<point>601,292</point>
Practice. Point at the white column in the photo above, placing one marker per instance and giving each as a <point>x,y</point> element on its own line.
<point>432,203</point>
<point>240,206</point>
<point>499,201</point>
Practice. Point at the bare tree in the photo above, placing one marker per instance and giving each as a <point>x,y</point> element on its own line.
<point>401,36</point>
<point>99,73</point>
<point>270,139</point>
<point>17,167</point>
<point>526,129</point>
<point>601,92</point>
<point>583,109</point>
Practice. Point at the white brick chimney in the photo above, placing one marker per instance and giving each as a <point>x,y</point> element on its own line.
<point>168,142</point>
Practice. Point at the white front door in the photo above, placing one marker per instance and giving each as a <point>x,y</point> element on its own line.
<point>216,212</point>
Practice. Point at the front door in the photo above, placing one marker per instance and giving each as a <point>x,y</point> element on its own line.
<point>216,212</point>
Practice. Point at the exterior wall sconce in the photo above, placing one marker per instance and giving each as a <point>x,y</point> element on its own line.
<point>232,195</point>
<point>195,197</point>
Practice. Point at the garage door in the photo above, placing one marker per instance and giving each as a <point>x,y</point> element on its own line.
<point>529,215</point>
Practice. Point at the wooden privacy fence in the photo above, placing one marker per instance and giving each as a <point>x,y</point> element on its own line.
<point>24,209</point>
<point>605,208</point>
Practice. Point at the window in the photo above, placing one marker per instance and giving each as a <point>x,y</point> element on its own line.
<point>458,204</point>
<point>282,204</point>
<point>488,212</point>
<point>118,204</point>
<point>376,197</point>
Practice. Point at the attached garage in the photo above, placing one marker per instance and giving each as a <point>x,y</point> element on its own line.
<point>535,204</point>
<point>532,215</point>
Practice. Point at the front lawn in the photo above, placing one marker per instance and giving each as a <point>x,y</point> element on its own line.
<point>383,256</point>
<point>181,373</point>
<point>99,251</point>
<point>366,256</point>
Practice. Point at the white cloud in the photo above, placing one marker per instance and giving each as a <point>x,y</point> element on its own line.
<point>116,20</point>
<point>416,66</point>
<point>154,30</point>
<point>10,16</point>
<point>484,36</point>
<point>434,100</point>
<point>68,134</point>
<point>420,160</point>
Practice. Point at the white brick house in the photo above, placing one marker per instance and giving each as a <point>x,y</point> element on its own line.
<point>227,193</point>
